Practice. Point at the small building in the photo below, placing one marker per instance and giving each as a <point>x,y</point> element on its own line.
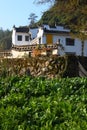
<point>21,41</point>
<point>45,40</point>
<point>21,36</point>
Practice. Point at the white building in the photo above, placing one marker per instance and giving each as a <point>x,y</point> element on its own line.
<point>20,36</point>
<point>59,34</point>
<point>24,39</point>
<point>23,35</point>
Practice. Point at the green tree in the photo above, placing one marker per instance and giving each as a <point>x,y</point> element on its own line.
<point>5,39</point>
<point>32,19</point>
<point>49,18</point>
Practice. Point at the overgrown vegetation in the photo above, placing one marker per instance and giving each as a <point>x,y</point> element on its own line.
<point>41,104</point>
<point>5,39</point>
<point>70,12</point>
<point>49,18</point>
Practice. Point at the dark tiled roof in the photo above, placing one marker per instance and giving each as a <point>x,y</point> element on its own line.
<point>54,31</point>
<point>22,29</point>
<point>52,26</point>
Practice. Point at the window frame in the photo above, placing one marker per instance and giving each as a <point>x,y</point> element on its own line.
<point>70,42</point>
<point>19,37</point>
<point>26,38</point>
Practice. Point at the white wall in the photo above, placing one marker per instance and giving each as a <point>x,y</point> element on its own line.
<point>44,39</point>
<point>55,52</point>
<point>73,49</point>
<point>13,36</point>
<point>40,34</point>
<point>23,42</point>
<point>15,40</point>
<point>85,48</point>
<point>19,54</point>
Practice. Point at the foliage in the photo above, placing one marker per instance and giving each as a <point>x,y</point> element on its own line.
<point>32,18</point>
<point>5,39</point>
<point>50,18</point>
<point>40,104</point>
<point>73,14</point>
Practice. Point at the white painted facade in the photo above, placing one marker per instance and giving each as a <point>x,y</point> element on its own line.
<point>85,48</point>
<point>59,35</point>
<point>32,33</point>
<point>19,43</point>
<point>68,49</point>
<point>18,54</point>
<point>15,40</point>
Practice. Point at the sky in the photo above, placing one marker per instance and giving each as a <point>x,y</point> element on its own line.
<point>16,12</point>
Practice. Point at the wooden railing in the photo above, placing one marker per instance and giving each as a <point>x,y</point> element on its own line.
<point>34,46</point>
<point>5,53</point>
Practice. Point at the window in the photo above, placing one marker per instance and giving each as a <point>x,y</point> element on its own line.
<point>26,38</point>
<point>70,42</point>
<point>19,38</point>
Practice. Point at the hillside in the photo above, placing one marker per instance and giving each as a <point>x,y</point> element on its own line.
<point>50,18</point>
